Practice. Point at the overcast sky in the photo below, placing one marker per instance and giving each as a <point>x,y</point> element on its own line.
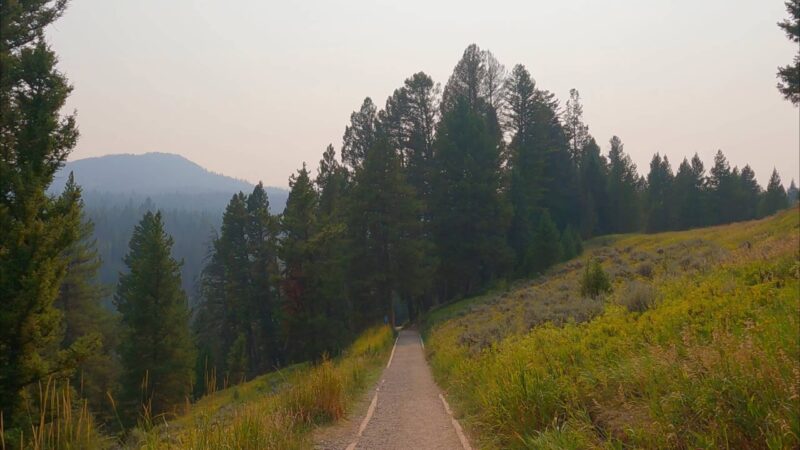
<point>251,88</point>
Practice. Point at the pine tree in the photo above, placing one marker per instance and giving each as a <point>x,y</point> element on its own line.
<point>262,303</point>
<point>87,324</point>
<point>470,212</point>
<point>592,180</point>
<point>689,195</point>
<point>224,287</point>
<point>577,132</point>
<point>791,193</point>
<point>748,194</point>
<point>37,229</point>
<point>528,152</point>
<point>571,245</point>
<point>774,198</point>
<point>156,346</point>
<point>239,288</point>
<point>658,197</point>
<point>722,184</point>
<point>546,244</point>
<point>387,252</point>
<point>360,135</point>
<point>789,84</point>
<point>303,310</point>
<point>624,205</point>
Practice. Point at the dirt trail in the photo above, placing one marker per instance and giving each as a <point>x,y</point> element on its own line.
<point>405,411</point>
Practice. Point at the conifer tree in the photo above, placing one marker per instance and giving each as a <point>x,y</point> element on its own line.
<point>659,191</point>
<point>239,288</point>
<point>774,198</point>
<point>306,332</point>
<point>789,76</point>
<point>546,244</point>
<point>722,184</point>
<point>592,180</point>
<point>689,207</point>
<point>37,229</point>
<point>791,193</point>
<point>623,210</point>
<point>383,222</point>
<point>360,135</point>
<point>87,324</point>
<point>577,131</point>
<point>748,194</point>
<point>527,161</point>
<point>470,212</point>
<point>156,346</point>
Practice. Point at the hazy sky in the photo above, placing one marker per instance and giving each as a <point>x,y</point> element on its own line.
<point>251,88</point>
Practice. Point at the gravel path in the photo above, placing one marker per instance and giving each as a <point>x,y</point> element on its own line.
<point>405,411</point>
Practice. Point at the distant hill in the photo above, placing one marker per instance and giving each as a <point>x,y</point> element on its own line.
<point>169,180</point>
<point>119,189</point>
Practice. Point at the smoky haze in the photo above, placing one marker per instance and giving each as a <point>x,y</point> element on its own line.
<point>252,89</point>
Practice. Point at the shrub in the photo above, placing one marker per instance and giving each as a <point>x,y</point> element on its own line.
<point>645,269</point>
<point>595,281</point>
<point>638,296</point>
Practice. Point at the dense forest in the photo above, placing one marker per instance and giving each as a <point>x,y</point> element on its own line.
<point>440,194</point>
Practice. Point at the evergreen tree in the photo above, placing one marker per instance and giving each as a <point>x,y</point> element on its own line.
<point>156,346</point>
<point>528,150</point>
<point>470,213</point>
<point>592,180</point>
<point>577,132</point>
<point>546,244</point>
<point>791,193</point>
<point>658,198</point>
<point>539,166</point>
<point>305,313</point>
<point>383,222</point>
<point>774,198</point>
<point>789,84</point>
<point>87,324</point>
<point>748,194</point>
<point>37,229</point>
<point>688,195</point>
<point>262,318</point>
<point>409,122</point>
<point>239,288</point>
<point>571,245</point>
<point>722,184</point>
<point>360,135</point>
<point>623,210</point>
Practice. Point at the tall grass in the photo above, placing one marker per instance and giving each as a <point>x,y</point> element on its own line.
<point>714,363</point>
<point>280,416</point>
<point>56,420</point>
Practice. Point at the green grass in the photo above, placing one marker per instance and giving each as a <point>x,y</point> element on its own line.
<point>278,409</point>
<point>698,346</point>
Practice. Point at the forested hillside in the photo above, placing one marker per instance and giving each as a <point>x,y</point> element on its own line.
<point>440,194</point>
<point>119,189</point>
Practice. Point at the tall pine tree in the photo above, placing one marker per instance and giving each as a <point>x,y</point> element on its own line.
<point>37,229</point>
<point>156,346</point>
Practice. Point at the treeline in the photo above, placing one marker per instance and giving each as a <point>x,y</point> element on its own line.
<point>437,196</point>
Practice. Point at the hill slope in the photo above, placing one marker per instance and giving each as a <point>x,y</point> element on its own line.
<point>697,346</point>
<point>149,173</point>
<point>169,180</point>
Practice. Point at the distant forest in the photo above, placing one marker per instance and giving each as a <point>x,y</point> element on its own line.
<point>439,195</point>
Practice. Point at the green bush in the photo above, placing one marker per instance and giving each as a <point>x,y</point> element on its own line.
<point>595,281</point>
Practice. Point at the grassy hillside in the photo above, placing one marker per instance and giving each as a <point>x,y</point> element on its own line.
<point>697,346</point>
<point>275,410</point>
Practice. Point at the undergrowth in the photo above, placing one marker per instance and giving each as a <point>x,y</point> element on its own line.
<point>697,346</point>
